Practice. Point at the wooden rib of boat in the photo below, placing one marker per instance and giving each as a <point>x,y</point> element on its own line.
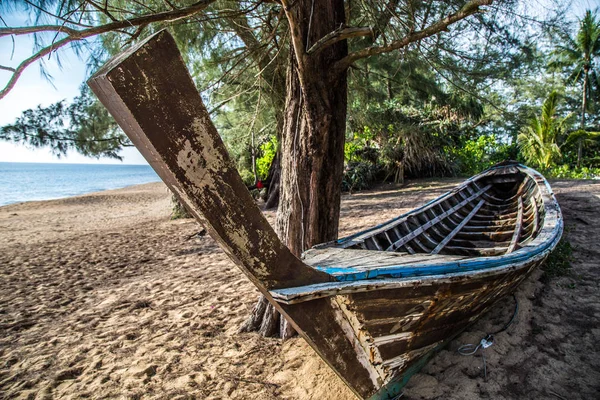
<point>375,305</point>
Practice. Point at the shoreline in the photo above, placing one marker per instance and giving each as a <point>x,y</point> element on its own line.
<point>24,182</point>
<point>65,163</point>
<point>95,191</point>
<point>379,187</point>
<point>104,296</point>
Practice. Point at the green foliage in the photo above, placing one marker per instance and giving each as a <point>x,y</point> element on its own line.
<point>247,176</point>
<point>475,155</point>
<point>178,210</point>
<point>83,126</point>
<point>566,172</point>
<point>585,136</point>
<point>538,141</point>
<point>359,176</point>
<point>558,262</point>
<point>263,163</point>
<point>447,104</point>
<point>576,57</point>
<point>414,139</point>
<point>361,147</point>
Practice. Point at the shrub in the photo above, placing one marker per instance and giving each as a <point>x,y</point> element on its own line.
<point>178,210</point>
<point>566,172</point>
<point>483,152</point>
<point>263,163</point>
<point>359,176</point>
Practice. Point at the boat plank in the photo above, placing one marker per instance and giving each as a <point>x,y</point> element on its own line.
<point>184,148</point>
<point>186,151</point>
<point>399,243</point>
<point>465,221</point>
<point>354,258</point>
<point>517,233</point>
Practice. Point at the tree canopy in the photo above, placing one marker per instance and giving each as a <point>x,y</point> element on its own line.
<point>420,94</point>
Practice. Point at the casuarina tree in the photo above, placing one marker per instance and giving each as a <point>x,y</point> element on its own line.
<point>320,41</point>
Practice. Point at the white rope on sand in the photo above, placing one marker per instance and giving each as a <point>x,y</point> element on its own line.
<point>470,349</point>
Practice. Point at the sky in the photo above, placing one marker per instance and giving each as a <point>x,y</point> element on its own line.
<point>32,90</point>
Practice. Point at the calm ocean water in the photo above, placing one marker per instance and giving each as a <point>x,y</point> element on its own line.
<point>37,181</point>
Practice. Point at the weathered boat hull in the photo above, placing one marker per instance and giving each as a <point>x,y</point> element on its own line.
<point>374,316</point>
<point>402,307</point>
<point>400,329</point>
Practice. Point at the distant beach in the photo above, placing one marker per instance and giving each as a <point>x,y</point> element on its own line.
<point>44,181</point>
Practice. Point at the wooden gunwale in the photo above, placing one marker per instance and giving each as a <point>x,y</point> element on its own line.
<point>468,269</point>
<point>351,281</point>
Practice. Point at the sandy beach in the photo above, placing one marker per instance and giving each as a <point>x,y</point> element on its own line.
<point>102,296</point>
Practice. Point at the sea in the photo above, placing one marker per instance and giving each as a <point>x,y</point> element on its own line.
<point>39,181</point>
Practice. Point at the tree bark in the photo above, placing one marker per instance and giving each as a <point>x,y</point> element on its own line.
<point>312,142</point>
<point>583,108</point>
<point>274,179</point>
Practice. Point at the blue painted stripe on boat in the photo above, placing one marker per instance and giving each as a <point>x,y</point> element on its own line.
<point>415,270</point>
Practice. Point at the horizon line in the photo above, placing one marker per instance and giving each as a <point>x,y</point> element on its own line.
<point>66,163</point>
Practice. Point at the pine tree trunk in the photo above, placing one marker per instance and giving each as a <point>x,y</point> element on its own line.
<point>312,146</point>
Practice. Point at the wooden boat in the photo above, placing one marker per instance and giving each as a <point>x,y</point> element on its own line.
<point>375,305</point>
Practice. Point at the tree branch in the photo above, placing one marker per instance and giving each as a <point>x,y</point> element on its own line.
<point>74,140</point>
<point>239,24</point>
<point>19,70</point>
<point>26,30</point>
<point>384,18</point>
<point>104,10</point>
<point>296,33</point>
<point>2,67</point>
<point>32,4</point>
<point>75,35</point>
<point>442,25</point>
<point>172,15</point>
<point>338,35</point>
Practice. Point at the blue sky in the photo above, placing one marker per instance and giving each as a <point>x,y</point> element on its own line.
<point>32,90</point>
